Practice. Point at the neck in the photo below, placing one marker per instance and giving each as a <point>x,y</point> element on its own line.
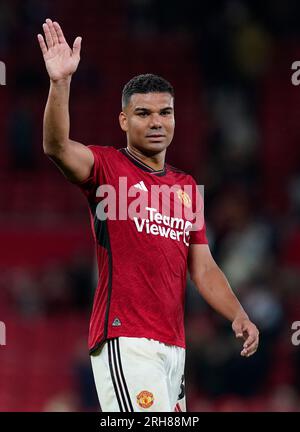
<point>156,161</point>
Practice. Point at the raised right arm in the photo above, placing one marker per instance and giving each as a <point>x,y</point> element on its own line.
<point>74,159</point>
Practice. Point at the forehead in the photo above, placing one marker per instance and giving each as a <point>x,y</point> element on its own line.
<point>151,100</point>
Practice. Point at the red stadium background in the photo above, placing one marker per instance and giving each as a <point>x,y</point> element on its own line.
<point>237,131</point>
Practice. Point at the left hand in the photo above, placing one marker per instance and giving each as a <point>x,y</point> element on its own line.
<point>245,329</point>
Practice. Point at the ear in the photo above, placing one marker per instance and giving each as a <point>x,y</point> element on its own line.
<point>123,121</point>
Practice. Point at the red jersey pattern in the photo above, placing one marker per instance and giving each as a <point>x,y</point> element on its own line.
<point>142,262</point>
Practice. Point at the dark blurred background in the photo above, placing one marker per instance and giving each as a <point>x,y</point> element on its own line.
<point>237,132</point>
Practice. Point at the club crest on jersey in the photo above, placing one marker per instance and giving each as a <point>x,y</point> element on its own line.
<point>145,399</point>
<point>184,198</point>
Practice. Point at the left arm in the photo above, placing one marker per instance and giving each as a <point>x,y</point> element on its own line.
<point>215,289</point>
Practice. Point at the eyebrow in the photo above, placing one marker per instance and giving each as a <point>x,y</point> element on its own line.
<point>148,110</point>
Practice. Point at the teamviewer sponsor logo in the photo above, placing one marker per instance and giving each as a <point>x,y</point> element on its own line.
<point>2,73</point>
<point>165,226</point>
<point>2,333</point>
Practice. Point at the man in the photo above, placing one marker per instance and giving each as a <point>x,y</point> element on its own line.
<point>136,338</point>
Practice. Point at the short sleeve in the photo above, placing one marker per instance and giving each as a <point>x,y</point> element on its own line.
<point>96,177</point>
<point>198,237</point>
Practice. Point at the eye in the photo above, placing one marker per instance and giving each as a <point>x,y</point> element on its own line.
<point>142,114</point>
<point>165,113</point>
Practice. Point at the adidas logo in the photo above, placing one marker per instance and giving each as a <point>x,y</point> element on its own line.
<point>116,322</point>
<point>141,185</point>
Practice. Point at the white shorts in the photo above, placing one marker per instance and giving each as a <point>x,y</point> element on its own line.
<point>139,374</point>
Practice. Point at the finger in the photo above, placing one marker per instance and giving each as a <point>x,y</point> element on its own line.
<point>52,31</point>
<point>77,46</point>
<point>253,343</point>
<point>249,351</point>
<point>250,347</point>
<point>42,44</point>
<point>59,32</point>
<point>244,353</point>
<point>250,340</point>
<point>48,36</point>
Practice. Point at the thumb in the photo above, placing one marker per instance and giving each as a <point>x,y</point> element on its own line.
<point>237,328</point>
<point>77,46</point>
<point>238,333</point>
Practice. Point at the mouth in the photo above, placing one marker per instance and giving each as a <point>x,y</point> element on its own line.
<point>155,137</point>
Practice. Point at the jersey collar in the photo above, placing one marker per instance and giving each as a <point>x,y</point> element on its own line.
<point>141,164</point>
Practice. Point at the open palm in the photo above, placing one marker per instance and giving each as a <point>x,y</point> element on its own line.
<point>61,61</point>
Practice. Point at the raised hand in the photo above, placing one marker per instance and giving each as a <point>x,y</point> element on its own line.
<point>61,61</point>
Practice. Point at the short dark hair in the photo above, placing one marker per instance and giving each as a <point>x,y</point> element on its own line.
<point>145,83</point>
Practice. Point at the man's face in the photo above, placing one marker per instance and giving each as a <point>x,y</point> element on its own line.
<point>148,121</point>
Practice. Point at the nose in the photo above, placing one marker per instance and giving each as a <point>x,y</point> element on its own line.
<point>155,121</point>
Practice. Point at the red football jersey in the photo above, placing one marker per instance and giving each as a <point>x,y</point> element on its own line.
<point>142,243</point>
